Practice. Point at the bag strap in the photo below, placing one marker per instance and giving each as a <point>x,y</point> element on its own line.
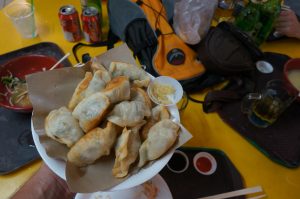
<point>111,40</point>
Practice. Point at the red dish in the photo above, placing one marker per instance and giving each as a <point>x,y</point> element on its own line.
<point>292,64</point>
<point>20,67</point>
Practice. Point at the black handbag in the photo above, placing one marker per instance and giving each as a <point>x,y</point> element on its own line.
<point>228,51</point>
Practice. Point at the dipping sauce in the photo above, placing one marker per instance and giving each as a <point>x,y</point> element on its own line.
<point>294,77</point>
<point>203,164</point>
<point>163,93</point>
<point>179,162</point>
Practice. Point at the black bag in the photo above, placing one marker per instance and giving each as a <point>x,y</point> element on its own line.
<point>228,51</point>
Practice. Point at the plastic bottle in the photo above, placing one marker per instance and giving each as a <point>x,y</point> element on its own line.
<point>257,19</point>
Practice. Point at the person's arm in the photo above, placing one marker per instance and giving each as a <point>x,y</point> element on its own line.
<point>44,185</point>
<point>288,24</point>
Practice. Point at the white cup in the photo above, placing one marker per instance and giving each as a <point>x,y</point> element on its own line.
<point>22,16</point>
<point>169,81</point>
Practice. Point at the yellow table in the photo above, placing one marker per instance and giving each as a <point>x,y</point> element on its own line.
<point>208,129</point>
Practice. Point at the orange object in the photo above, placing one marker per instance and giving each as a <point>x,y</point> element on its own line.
<point>173,57</point>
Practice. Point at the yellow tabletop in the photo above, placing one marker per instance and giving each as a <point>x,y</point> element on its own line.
<point>208,130</point>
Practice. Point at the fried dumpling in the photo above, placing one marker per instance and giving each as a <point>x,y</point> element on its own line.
<point>158,113</point>
<point>139,77</point>
<point>138,94</point>
<point>118,89</point>
<point>95,144</point>
<point>127,114</point>
<point>61,126</point>
<point>78,94</point>
<point>98,82</point>
<point>91,110</point>
<point>160,138</point>
<point>127,150</point>
<point>95,66</point>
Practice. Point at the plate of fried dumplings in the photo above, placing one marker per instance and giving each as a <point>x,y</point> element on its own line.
<point>110,122</point>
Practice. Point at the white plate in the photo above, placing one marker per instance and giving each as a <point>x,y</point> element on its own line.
<point>133,193</point>
<point>58,166</point>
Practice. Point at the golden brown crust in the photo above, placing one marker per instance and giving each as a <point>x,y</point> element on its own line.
<point>160,138</point>
<point>92,146</point>
<point>81,87</point>
<point>138,76</point>
<point>91,110</point>
<point>117,89</point>
<point>158,113</point>
<point>97,120</point>
<point>95,66</point>
<point>146,128</point>
<point>115,83</point>
<point>148,102</point>
<point>62,127</point>
<point>139,94</point>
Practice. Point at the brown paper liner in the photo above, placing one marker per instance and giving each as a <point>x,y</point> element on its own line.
<point>53,89</point>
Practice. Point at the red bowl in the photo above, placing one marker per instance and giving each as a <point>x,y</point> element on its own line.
<point>20,67</point>
<point>292,64</point>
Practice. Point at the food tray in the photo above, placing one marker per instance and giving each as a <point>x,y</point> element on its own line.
<point>16,145</point>
<point>191,184</point>
<point>280,142</point>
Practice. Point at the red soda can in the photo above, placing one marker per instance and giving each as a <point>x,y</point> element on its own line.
<point>91,24</point>
<point>69,21</point>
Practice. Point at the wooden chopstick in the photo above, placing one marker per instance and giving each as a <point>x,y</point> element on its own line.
<point>258,197</point>
<point>235,193</point>
<point>61,60</point>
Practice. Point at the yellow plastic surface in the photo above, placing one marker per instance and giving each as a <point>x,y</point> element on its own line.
<point>208,130</point>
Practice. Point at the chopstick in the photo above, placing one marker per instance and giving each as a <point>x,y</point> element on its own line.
<point>258,197</point>
<point>235,193</point>
<point>53,67</point>
<point>61,60</point>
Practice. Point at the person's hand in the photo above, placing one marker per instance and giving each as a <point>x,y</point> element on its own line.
<point>44,185</point>
<point>288,24</point>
